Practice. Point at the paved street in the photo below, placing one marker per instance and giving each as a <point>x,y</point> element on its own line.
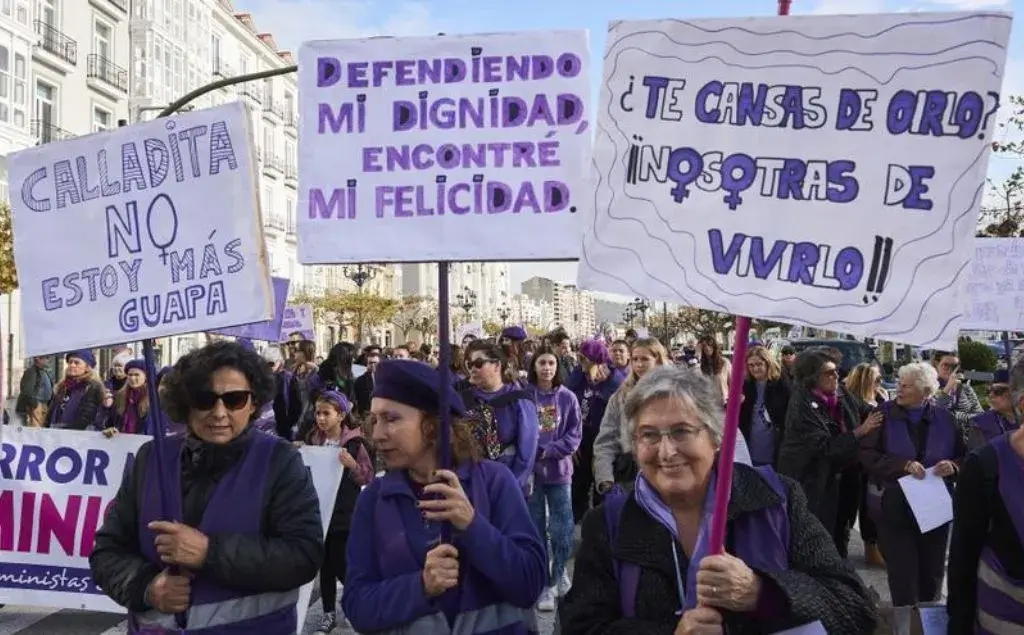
<point>30,621</point>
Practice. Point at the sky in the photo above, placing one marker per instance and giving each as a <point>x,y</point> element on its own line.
<point>294,21</point>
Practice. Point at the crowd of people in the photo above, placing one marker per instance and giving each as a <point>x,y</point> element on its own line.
<point>614,441</point>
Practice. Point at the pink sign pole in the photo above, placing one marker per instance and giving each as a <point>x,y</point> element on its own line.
<point>716,543</point>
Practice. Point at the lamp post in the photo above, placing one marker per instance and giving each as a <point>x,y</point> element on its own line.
<point>466,301</point>
<point>359,275</point>
<point>503,314</point>
<point>629,314</point>
<point>640,306</point>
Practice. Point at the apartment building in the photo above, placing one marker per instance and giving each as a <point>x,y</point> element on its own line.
<point>63,73</point>
<point>573,308</point>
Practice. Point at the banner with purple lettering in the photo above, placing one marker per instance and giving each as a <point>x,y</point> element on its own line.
<point>820,170</point>
<point>55,488</point>
<point>297,324</point>
<point>157,225</point>
<point>270,330</point>
<point>466,147</point>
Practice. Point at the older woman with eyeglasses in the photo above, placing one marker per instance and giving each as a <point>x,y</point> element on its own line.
<point>644,565</point>
<point>994,422</point>
<point>246,532</point>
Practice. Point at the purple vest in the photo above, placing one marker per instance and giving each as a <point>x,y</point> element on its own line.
<point>761,540</point>
<point>236,506</point>
<point>940,444</point>
<point>998,610</point>
<point>476,610</point>
<point>991,425</point>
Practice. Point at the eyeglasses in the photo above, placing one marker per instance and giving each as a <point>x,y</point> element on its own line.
<point>479,362</point>
<point>999,392</point>
<point>678,435</point>
<point>232,399</point>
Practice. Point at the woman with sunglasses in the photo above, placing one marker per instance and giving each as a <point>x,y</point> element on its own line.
<point>404,575</point>
<point>246,532</point>
<point>994,422</point>
<point>821,436</point>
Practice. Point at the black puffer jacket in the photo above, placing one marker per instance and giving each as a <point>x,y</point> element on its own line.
<point>819,585</point>
<point>286,555</point>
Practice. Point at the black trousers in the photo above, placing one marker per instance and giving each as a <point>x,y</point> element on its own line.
<point>915,562</point>
<point>333,570</point>
<point>868,529</point>
<point>584,492</point>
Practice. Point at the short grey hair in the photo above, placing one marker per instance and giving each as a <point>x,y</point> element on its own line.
<point>924,376</point>
<point>670,382</point>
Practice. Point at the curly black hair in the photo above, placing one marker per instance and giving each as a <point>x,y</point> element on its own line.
<point>192,375</point>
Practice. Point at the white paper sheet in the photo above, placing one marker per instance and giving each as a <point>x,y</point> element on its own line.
<point>814,628</point>
<point>929,500</point>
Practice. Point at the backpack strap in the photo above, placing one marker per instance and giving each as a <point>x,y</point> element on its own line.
<point>288,377</point>
<point>627,574</point>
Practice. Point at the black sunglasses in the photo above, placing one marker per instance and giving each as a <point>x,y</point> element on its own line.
<point>232,399</point>
<point>480,362</point>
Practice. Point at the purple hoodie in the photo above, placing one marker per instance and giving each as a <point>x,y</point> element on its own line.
<point>560,432</point>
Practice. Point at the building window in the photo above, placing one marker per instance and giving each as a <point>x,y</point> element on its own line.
<point>290,211</point>
<point>21,12</point>
<point>46,112</point>
<point>48,13</point>
<point>101,119</point>
<point>20,90</point>
<point>5,84</point>
<point>215,56</point>
<point>102,40</point>
<point>268,202</point>
<point>268,142</point>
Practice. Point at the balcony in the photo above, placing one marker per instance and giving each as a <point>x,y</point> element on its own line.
<point>54,42</point>
<point>45,132</point>
<point>272,164</point>
<point>275,221</point>
<point>252,92</point>
<point>222,70</point>
<point>290,123</point>
<point>272,111</point>
<point>120,4</point>
<point>107,73</point>
<point>291,175</point>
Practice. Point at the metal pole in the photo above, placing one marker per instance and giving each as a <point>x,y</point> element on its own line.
<point>176,105</point>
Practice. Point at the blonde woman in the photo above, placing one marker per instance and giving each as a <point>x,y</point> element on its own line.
<point>78,396</point>
<point>765,399</point>
<point>613,454</point>
<point>864,383</point>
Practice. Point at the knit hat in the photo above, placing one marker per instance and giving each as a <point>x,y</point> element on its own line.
<point>339,399</point>
<point>595,351</point>
<point>414,384</point>
<point>85,355</point>
<point>245,343</point>
<point>514,333</point>
<point>135,364</point>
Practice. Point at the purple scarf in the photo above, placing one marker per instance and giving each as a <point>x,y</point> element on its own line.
<point>130,418</point>
<point>831,403</point>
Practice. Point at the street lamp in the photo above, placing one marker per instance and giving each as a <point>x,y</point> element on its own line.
<point>503,314</point>
<point>640,306</point>
<point>359,275</point>
<point>629,314</point>
<point>466,301</point>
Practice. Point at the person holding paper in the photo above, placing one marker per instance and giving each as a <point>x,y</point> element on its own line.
<point>824,425</point>
<point>78,397</point>
<point>986,555</point>
<point>403,576</point>
<point>916,436</point>
<point>643,565</point>
<point>244,531</point>
<point>994,422</point>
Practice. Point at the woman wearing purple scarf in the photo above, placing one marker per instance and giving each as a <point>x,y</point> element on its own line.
<point>77,398</point>
<point>131,402</point>
<point>551,501</point>
<point>820,441</point>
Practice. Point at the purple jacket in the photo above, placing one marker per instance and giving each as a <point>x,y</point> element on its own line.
<point>593,399</point>
<point>518,428</point>
<point>561,429</point>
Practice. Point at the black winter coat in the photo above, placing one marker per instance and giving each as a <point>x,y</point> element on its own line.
<point>286,555</point>
<point>818,586</point>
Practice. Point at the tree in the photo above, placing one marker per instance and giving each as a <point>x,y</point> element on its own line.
<point>1003,214</point>
<point>976,356</point>
<point>412,311</point>
<point>492,328</point>
<point>8,272</point>
<point>703,322</point>
<point>534,331</point>
<point>360,308</point>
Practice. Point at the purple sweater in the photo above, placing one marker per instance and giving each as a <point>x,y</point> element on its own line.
<point>561,429</point>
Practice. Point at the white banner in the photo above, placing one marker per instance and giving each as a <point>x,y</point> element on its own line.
<point>464,147</point>
<point>823,170</point>
<point>55,487</point>
<point>157,226</point>
<point>995,293</point>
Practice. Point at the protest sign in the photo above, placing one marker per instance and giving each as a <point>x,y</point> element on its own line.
<point>469,147</point>
<point>822,170</point>
<point>994,299</point>
<point>158,229</point>
<point>326,470</point>
<point>55,489</point>
<point>297,324</point>
<point>270,330</point>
